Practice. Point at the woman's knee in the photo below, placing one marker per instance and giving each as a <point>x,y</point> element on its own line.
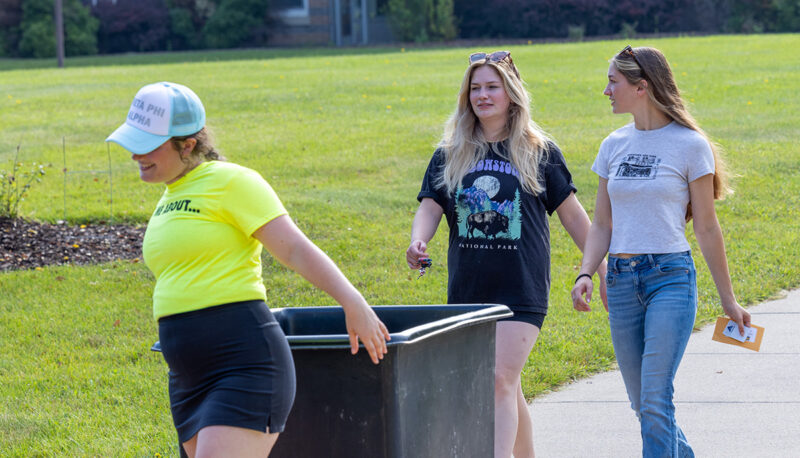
<point>506,381</point>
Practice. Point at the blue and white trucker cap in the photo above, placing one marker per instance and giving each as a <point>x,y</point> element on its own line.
<point>159,112</point>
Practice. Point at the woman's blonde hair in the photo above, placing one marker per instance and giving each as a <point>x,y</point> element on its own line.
<point>204,149</point>
<point>649,64</point>
<point>464,143</point>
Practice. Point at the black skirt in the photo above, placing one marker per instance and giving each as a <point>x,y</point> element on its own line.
<point>228,365</point>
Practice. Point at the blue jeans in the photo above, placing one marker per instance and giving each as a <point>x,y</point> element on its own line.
<point>652,303</point>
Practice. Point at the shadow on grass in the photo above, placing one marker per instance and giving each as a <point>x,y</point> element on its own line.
<point>171,57</point>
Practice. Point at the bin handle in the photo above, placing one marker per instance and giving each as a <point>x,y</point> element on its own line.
<point>491,312</point>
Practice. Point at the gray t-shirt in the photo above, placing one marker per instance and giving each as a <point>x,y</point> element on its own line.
<point>648,173</point>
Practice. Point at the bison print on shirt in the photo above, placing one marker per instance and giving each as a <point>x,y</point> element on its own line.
<point>486,211</point>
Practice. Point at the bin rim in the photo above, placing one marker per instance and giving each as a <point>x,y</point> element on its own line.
<point>481,313</point>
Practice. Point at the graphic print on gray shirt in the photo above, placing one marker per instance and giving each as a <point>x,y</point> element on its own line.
<point>638,167</point>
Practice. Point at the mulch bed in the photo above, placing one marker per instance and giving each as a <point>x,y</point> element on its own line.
<point>28,245</point>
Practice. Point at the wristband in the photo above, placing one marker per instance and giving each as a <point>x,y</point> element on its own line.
<point>582,275</point>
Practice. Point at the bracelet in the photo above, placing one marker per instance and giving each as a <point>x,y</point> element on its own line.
<point>582,275</point>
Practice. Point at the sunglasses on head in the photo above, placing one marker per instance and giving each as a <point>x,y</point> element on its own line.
<point>496,57</point>
<point>628,51</point>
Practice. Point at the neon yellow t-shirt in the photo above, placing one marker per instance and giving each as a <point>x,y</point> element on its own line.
<point>199,241</point>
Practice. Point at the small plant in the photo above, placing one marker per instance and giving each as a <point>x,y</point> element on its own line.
<point>15,184</point>
<point>576,32</point>
<point>628,31</point>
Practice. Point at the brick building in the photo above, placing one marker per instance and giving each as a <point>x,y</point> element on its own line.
<point>330,22</point>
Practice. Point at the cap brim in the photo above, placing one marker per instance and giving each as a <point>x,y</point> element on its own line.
<point>136,141</point>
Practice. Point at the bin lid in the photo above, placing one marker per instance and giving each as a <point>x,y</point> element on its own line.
<point>324,328</point>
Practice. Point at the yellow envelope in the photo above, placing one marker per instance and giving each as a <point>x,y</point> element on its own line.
<point>720,337</point>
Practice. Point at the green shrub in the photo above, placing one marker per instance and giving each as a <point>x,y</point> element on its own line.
<point>80,29</point>
<point>183,34</point>
<point>628,30</point>
<point>8,43</point>
<point>38,40</point>
<point>576,32</point>
<point>422,20</point>
<point>236,23</point>
<point>787,15</point>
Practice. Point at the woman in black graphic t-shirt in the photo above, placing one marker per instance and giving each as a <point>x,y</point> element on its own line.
<point>496,176</point>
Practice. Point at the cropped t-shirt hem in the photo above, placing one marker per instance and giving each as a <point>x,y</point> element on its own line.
<point>649,250</point>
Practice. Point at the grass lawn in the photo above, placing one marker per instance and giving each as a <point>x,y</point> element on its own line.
<point>344,137</point>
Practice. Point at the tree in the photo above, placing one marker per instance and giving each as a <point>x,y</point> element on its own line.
<point>132,25</point>
<point>37,37</point>
<point>553,18</point>
<point>237,23</point>
<point>422,20</point>
<point>80,29</point>
<point>187,20</point>
<point>10,17</point>
<point>786,15</point>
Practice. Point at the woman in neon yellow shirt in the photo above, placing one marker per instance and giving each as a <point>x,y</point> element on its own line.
<point>231,377</point>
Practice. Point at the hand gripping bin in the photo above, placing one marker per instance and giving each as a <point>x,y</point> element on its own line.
<point>432,395</point>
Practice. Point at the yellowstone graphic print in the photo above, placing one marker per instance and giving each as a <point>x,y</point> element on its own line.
<point>489,207</point>
<point>638,167</point>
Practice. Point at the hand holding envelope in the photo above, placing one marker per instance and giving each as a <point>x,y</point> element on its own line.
<point>726,331</point>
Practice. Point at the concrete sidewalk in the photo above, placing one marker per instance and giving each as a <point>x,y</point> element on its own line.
<point>730,401</point>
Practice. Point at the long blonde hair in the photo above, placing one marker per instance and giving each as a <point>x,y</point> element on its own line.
<point>649,64</point>
<point>464,143</point>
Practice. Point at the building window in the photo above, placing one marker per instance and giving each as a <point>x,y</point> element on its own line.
<point>291,8</point>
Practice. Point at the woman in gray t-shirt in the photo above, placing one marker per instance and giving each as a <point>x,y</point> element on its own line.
<point>656,174</point>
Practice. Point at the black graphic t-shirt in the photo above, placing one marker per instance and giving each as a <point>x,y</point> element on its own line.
<point>499,234</point>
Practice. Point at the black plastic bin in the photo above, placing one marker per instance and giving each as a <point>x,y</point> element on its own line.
<point>431,396</point>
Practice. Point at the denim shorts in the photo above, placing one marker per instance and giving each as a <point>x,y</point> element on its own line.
<point>534,318</point>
